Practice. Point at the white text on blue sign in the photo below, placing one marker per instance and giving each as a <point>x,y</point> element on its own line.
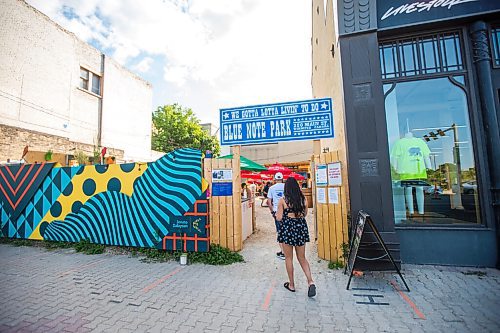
<point>304,120</point>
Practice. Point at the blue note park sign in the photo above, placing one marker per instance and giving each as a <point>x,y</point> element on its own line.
<point>302,120</point>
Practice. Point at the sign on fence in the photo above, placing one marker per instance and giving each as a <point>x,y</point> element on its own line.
<point>302,120</point>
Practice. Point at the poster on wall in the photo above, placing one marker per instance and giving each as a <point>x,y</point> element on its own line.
<point>321,175</point>
<point>321,195</point>
<point>222,175</point>
<point>334,174</point>
<point>222,189</point>
<point>333,195</point>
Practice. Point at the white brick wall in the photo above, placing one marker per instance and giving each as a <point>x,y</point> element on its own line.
<point>126,121</point>
<point>39,79</point>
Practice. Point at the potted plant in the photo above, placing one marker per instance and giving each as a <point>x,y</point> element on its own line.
<point>48,155</point>
<point>81,157</point>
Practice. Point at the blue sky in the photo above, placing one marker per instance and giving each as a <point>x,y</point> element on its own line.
<point>202,54</point>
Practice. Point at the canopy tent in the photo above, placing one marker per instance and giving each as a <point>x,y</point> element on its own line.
<point>247,164</point>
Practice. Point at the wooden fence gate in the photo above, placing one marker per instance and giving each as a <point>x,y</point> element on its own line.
<point>225,210</point>
<point>330,218</point>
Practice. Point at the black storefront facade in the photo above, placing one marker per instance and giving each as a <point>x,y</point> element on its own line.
<point>421,87</point>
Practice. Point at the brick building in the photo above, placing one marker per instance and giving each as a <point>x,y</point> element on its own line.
<point>58,93</point>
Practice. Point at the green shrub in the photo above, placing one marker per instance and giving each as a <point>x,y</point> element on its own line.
<point>52,245</point>
<point>88,247</point>
<point>155,255</point>
<point>217,255</point>
<point>22,242</point>
<point>335,265</point>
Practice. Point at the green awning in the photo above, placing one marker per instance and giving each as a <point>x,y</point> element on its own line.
<point>247,164</point>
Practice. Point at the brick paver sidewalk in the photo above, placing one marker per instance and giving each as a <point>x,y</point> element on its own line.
<point>62,291</point>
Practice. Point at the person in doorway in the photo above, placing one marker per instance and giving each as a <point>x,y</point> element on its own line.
<point>293,233</point>
<point>265,191</point>
<point>273,196</point>
<point>259,189</point>
<point>245,191</point>
<point>253,188</point>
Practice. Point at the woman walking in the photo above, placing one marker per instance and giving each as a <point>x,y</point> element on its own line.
<point>293,232</point>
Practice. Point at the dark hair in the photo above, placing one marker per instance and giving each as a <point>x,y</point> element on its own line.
<point>243,185</point>
<point>294,197</point>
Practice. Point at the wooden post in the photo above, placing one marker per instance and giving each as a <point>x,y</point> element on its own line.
<point>314,162</point>
<point>317,147</point>
<point>215,213</point>
<point>254,217</point>
<point>207,174</point>
<point>237,226</point>
<point>323,215</point>
<point>330,218</point>
<point>229,211</point>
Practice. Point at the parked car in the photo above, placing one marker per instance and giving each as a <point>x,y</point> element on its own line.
<point>431,189</point>
<point>469,187</point>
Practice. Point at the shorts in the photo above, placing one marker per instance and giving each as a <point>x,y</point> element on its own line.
<point>276,223</point>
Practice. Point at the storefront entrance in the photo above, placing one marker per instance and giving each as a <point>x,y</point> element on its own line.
<point>437,184</point>
<point>431,149</point>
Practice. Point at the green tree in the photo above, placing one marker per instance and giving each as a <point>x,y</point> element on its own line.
<point>177,127</point>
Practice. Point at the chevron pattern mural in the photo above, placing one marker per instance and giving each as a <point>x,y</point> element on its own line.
<point>129,204</point>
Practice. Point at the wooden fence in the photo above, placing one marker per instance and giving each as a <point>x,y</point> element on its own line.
<point>330,219</point>
<point>225,211</point>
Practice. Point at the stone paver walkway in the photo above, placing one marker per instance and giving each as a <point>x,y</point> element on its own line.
<point>62,291</point>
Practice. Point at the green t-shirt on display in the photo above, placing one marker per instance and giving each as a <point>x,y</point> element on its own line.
<point>408,155</point>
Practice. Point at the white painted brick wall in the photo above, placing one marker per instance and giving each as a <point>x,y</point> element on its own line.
<point>39,79</point>
<point>126,121</point>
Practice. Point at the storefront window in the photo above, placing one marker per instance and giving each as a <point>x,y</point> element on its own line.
<point>432,155</point>
<point>421,55</point>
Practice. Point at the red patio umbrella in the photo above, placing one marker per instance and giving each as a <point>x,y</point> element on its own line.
<point>255,175</point>
<point>275,168</point>
<point>250,175</point>
<point>266,177</point>
<point>295,175</point>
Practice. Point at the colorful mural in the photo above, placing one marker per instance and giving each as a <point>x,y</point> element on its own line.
<point>160,205</point>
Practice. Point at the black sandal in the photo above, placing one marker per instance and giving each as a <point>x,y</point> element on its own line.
<point>287,286</point>
<point>312,290</point>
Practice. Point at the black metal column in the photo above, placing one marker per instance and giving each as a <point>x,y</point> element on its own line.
<point>482,63</point>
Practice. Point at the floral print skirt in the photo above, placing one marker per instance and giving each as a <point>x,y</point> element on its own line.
<point>293,231</point>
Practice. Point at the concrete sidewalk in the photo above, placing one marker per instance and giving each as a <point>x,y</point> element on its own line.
<point>62,291</point>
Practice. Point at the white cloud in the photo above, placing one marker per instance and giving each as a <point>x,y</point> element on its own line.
<point>218,53</point>
<point>144,65</point>
<point>177,75</point>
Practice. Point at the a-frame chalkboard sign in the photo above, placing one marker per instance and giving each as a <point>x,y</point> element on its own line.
<point>357,230</point>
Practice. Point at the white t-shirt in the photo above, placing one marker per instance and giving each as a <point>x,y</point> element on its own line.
<point>253,188</point>
<point>275,193</point>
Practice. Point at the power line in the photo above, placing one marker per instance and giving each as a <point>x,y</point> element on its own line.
<point>80,123</point>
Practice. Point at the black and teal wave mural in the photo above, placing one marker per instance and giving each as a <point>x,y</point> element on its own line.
<point>160,204</point>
